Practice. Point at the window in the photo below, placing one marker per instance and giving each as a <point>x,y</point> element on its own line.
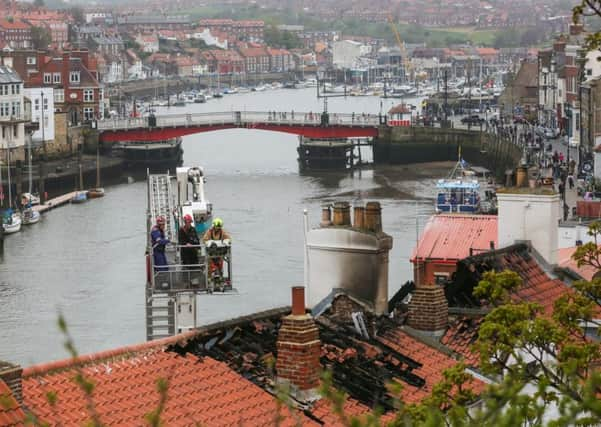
<point>47,78</point>
<point>589,72</point>
<point>440,278</point>
<point>59,95</point>
<point>16,109</point>
<point>4,90</point>
<point>45,103</point>
<point>88,114</point>
<point>4,109</point>
<point>74,77</point>
<point>88,95</point>
<point>31,60</point>
<point>56,77</point>
<point>15,130</point>
<point>36,104</point>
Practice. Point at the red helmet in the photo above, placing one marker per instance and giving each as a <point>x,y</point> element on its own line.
<point>160,220</point>
<point>188,218</point>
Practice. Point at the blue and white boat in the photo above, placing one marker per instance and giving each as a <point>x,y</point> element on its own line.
<point>459,192</point>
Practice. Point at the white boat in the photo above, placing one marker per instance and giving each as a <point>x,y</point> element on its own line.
<point>79,197</point>
<point>244,90</point>
<point>277,85</point>
<point>260,88</point>
<point>32,199</point>
<point>30,216</point>
<point>11,223</point>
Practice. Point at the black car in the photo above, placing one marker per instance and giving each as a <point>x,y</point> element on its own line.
<point>472,120</point>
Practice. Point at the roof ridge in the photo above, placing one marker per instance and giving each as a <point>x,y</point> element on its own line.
<point>179,339</point>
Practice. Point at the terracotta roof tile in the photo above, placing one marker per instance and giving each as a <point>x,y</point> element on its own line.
<point>11,414</point>
<point>433,362</point>
<point>461,336</point>
<point>202,391</point>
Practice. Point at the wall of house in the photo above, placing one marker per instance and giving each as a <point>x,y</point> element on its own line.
<point>42,96</point>
<point>528,216</point>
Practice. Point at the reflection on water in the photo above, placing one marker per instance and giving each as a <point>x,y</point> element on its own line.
<point>87,261</point>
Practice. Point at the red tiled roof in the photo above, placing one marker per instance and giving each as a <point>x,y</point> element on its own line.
<point>433,361</point>
<point>565,261</point>
<point>537,286</point>
<point>11,414</point>
<point>461,336</point>
<point>450,237</point>
<point>202,391</point>
<point>16,24</point>
<point>323,410</point>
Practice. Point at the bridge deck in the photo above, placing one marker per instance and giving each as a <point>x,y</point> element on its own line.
<point>240,119</point>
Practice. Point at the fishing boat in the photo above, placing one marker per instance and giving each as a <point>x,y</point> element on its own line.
<point>32,199</point>
<point>11,222</point>
<point>459,192</point>
<point>98,191</point>
<point>30,216</point>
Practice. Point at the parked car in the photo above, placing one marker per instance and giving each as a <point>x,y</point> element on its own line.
<point>472,120</point>
<point>551,133</point>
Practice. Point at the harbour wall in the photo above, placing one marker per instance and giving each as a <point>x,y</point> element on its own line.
<point>406,145</point>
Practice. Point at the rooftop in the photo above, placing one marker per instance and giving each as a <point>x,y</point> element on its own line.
<point>11,414</point>
<point>439,238</point>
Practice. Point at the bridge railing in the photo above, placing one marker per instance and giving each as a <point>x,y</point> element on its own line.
<point>240,118</point>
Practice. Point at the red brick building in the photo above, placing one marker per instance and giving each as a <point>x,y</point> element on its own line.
<point>16,33</point>
<point>256,59</point>
<point>242,30</point>
<point>447,239</point>
<point>223,61</point>
<point>73,75</point>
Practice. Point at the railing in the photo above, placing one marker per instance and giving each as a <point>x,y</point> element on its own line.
<point>241,119</point>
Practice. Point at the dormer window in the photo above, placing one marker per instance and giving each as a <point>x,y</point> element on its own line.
<point>74,77</point>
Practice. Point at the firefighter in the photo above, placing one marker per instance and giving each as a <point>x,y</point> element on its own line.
<point>216,232</point>
<point>159,241</point>
<point>187,237</point>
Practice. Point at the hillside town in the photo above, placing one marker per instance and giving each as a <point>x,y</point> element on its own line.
<point>413,213</point>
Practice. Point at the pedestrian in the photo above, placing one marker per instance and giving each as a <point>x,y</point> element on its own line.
<point>188,240</point>
<point>159,241</point>
<point>561,158</point>
<point>571,181</point>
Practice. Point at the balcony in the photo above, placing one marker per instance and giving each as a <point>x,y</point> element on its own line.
<point>8,120</point>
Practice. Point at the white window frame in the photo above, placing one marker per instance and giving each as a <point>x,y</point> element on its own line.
<point>441,275</point>
<point>31,60</point>
<point>88,95</point>
<point>47,78</point>
<point>56,78</point>
<point>59,95</point>
<point>74,77</point>
<point>88,113</point>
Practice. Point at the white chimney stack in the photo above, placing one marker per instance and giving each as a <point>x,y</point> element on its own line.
<point>530,214</point>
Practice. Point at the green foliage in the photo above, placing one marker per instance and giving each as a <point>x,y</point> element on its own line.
<point>496,287</point>
<point>282,39</point>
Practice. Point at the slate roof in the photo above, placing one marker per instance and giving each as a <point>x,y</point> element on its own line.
<point>8,75</point>
<point>11,414</point>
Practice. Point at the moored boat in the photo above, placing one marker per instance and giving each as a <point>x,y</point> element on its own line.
<point>79,197</point>
<point>30,216</point>
<point>11,222</point>
<point>459,192</point>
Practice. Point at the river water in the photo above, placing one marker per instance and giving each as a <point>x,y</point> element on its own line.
<point>87,261</point>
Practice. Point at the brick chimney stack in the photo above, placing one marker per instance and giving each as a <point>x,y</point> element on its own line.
<point>429,310</point>
<point>299,349</point>
<point>11,375</point>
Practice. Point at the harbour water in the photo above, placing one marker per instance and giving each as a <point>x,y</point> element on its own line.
<point>87,261</point>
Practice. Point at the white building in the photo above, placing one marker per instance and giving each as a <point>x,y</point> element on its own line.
<point>209,39</point>
<point>12,111</point>
<point>42,106</point>
<point>148,42</point>
<point>346,53</point>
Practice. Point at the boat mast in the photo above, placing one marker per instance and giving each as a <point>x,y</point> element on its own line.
<point>97,166</point>
<point>10,196</point>
<point>29,158</point>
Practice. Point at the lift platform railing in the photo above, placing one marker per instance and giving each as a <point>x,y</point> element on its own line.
<point>178,277</point>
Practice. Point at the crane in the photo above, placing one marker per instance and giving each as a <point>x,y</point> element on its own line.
<point>406,63</point>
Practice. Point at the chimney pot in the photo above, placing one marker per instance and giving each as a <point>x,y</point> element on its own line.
<point>342,214</point>
<point>298,300</point>
<point>359,217</point>
<point>373,216</point>
<point>326,216</point>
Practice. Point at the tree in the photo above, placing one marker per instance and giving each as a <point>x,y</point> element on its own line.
<point>40,37</point>
<point>77,13</point>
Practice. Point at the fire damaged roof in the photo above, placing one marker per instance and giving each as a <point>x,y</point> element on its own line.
<point>224,374</point>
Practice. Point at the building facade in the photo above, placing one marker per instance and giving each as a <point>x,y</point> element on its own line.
<point>42,112</point>
<point>12,111</point>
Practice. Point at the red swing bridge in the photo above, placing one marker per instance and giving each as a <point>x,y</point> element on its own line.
<point>306,124</point>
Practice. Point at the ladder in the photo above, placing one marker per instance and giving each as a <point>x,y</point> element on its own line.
<point>160,315</point>
<point>161,201</point>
